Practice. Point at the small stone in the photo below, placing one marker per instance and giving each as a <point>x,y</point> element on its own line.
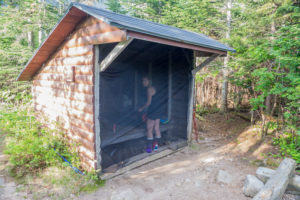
<point>252,186</point>
<point>125,194</point>
<point>224,177</point>
<point>179,183</point>
<point>11,184</point>
<point>150,190</point>
<point>2,181</point>
<point>187,180</point>
<point>198,183</point>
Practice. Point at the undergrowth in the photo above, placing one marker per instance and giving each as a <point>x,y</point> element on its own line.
<point>32,150</point>
<point>31,146</point>
<point>204,110</point>
<point>289,144</point>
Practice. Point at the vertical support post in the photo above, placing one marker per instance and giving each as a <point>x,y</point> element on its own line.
<point>191,102</point>
<point>150,71</point>
<point>135,90</point>
<point>97,105</point>
<point>170,87</point>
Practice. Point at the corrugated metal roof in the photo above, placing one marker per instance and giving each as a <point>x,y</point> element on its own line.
<point>152,28</point>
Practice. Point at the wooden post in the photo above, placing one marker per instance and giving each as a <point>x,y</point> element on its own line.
<point>136,90</point>
<point>97,105</point>
<point>191,102</point>
<point>170,87</point>
<point>150,71</point>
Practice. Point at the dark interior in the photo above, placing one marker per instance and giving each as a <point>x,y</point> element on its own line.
<point>122,128</point>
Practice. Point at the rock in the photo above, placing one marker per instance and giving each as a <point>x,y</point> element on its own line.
<point>198,183</point>
<point>10,184</point>
<point>150,190</point>
<point>224,177</point>
<point>178,184</point>
<point>1,181</point>
<point>125,194</point>
<point>187,180</point>
<point>275,187</point>
<point>264,174</point>
<point>252,186</point>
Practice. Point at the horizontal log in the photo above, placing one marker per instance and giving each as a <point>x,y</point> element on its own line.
<point>68,104</point>
<point>47,94</point>
<point>87,161</point>
<point>79,79</point>
<point>79,69</point>
<point>90,146</point>
<point>87,166</point>
<point>88,135</point>
<point>93,29</point>
<point>75,51</point>
<point>63,114</point>
<point>91,21</point>
<point>84,150</point>
<point>88,128</point>
<point>78,60</point>
<point>69,86</point>
<point>101,38</point>
<point>91,155</point>
<point>277,184</point>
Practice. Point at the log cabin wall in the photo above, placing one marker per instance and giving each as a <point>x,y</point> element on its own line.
<point>63,90</point>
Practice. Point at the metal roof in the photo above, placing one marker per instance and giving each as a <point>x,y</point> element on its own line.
<point>152,28</point>
<point>77,12</point>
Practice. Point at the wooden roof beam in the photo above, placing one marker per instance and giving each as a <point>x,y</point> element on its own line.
<point>206,62</point>
<point>117,50</point>
<point>151,38</point>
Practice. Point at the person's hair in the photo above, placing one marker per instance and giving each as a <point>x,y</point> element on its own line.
<point>147,77</point>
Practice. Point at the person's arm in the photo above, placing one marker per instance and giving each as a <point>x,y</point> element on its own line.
<point>150,93</point>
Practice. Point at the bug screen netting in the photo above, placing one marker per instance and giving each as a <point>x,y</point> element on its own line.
<point>123,93</point>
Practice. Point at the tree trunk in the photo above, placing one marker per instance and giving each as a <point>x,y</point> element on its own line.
<point>40,22</point>
<point>224,103</point>
<point>269,97</point>
<point>30,39</point>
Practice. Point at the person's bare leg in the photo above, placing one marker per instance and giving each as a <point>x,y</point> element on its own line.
<point>150,126</point>
<point>156,128</point>
<point>157,140</point>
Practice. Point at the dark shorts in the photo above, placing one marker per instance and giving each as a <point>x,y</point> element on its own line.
<point>154,115</point>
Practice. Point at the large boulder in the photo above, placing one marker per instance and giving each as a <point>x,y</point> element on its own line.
<point>252,186</point>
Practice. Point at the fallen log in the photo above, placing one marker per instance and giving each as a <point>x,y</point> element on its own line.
<point>277,184</point>
<point>243,116</point>
<point>264,174</point>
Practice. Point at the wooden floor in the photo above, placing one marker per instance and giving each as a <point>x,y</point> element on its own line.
<point>142,159</point>
<point>130,133</point>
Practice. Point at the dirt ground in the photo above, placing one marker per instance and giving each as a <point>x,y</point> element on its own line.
<point>226,147</point>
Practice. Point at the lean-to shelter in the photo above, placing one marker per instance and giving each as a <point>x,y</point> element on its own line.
<point>87,75</point>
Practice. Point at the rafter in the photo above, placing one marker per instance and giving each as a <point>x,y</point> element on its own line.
<point>206,62</point>
<point>117,50</point>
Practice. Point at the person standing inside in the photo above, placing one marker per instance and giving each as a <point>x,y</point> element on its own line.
<point>153,116</point>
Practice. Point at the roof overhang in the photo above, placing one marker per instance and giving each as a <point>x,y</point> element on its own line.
<point>74,16</point>
<point>59,33</point>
